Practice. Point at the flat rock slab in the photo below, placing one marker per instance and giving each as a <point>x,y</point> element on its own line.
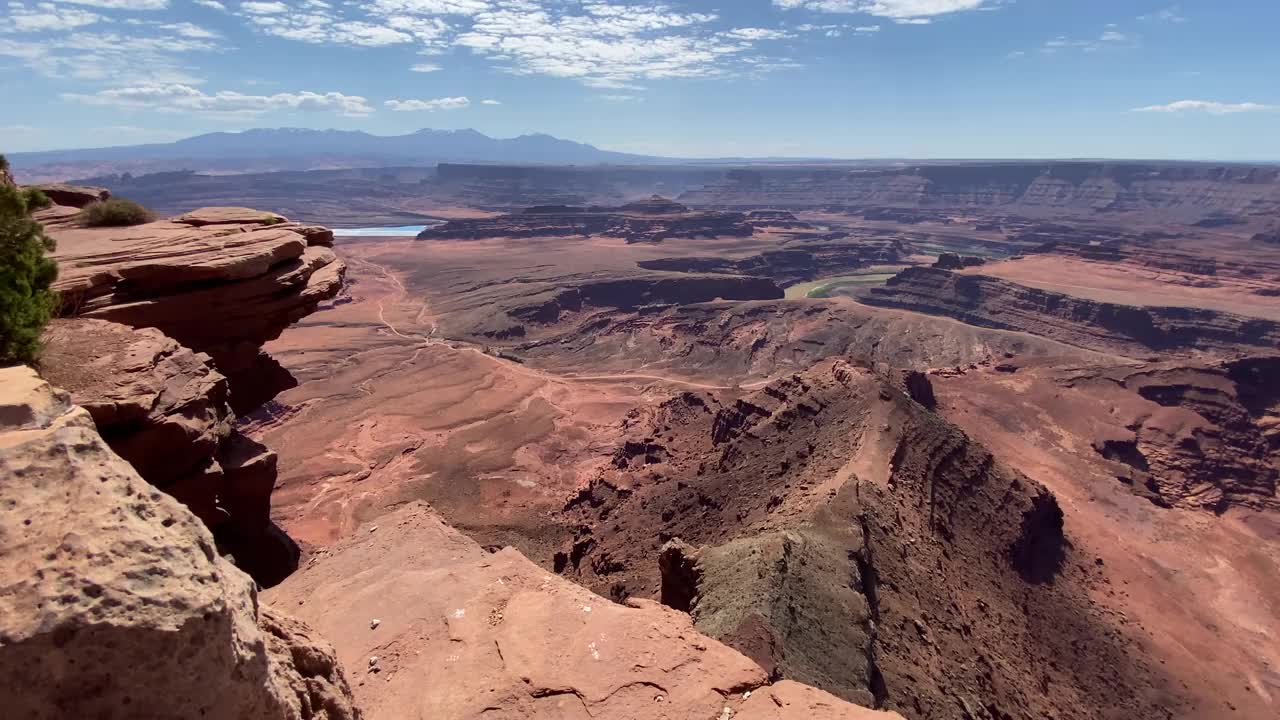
<point>432,625</point>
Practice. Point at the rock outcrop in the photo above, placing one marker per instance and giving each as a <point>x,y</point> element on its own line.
<point>1128,330</point>
<point>116,603</point>
<point>73,196</point>
<point>222,281</point>
<point>1184,434</point>
<point>775,219</point>
<point>952,261</point>
<point>850,539</point>
<point>442,628</point>
<point>165,410</point>
<point>651,220</point>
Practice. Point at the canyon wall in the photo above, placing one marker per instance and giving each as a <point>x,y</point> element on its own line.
<point>1106,327</point>
<point>1177,189</point>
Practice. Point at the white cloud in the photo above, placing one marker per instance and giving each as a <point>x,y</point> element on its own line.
<point>188,30</point>
<point>1110,38</point>
<point>604,45</point>
<point>48,17</point>
<point>175,97</point>
<point>753,33</point>
<point>908,10</point>
<point>213,4</point>
<point>153,56</point>
<point>1171,14</point>
<point>256,7</point>
<point>600,43</point>
<point>835,31</point>
<point>490,102</point>
<point>1207,106</point>
<point>123,4</point>
<point>319,24</point>
<point>444,103</point>
<point>426,68</point>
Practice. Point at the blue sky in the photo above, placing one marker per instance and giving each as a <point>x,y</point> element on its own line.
<point>838,78</point>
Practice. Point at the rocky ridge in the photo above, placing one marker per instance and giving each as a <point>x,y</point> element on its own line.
<point>842,535</point>
<point>117,603</point>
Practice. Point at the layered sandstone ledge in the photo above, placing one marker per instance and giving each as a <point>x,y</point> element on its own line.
<point>222,281</point>
<point>161,341</point>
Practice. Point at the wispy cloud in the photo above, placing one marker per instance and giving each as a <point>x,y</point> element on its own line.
<point>1111,37</point>
<point>490,102</point>
<point>1171,14</point>
<point>264,8</point>
<point>98,56</point>
<point>909,11</point>
<point>176,97</point>
<point>46,16</point>
<point>444,103</point>
<point>123,4</point>
<point>426,68</point>
<point>1206,106</point>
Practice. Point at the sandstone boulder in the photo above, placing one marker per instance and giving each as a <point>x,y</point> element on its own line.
<point>116,603</point>
<point>442,628</point>
<point>74,196</point>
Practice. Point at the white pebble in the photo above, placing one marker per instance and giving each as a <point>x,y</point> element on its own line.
<point>374,623</point>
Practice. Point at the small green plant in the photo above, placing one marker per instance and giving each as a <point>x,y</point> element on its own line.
<point>272,220</point>
<point>114,212</point>
<point>36,199</point>
<point>26,303</point>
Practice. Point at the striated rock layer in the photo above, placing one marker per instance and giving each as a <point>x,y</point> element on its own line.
<point>222,281</point>
<point>1125,329</point>
<point>165,410</point>
<point>1189,190</point>
<point>442,628</point>
<point>116,603</point>
<point>651,220</point>
<point>795,262</point>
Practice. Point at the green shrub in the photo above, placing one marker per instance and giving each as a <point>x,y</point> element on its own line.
<point>36,199</point>
<point>114,212</point>
<point>26,303</point>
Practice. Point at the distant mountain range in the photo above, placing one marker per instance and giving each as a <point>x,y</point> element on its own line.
<point>302,149</point>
